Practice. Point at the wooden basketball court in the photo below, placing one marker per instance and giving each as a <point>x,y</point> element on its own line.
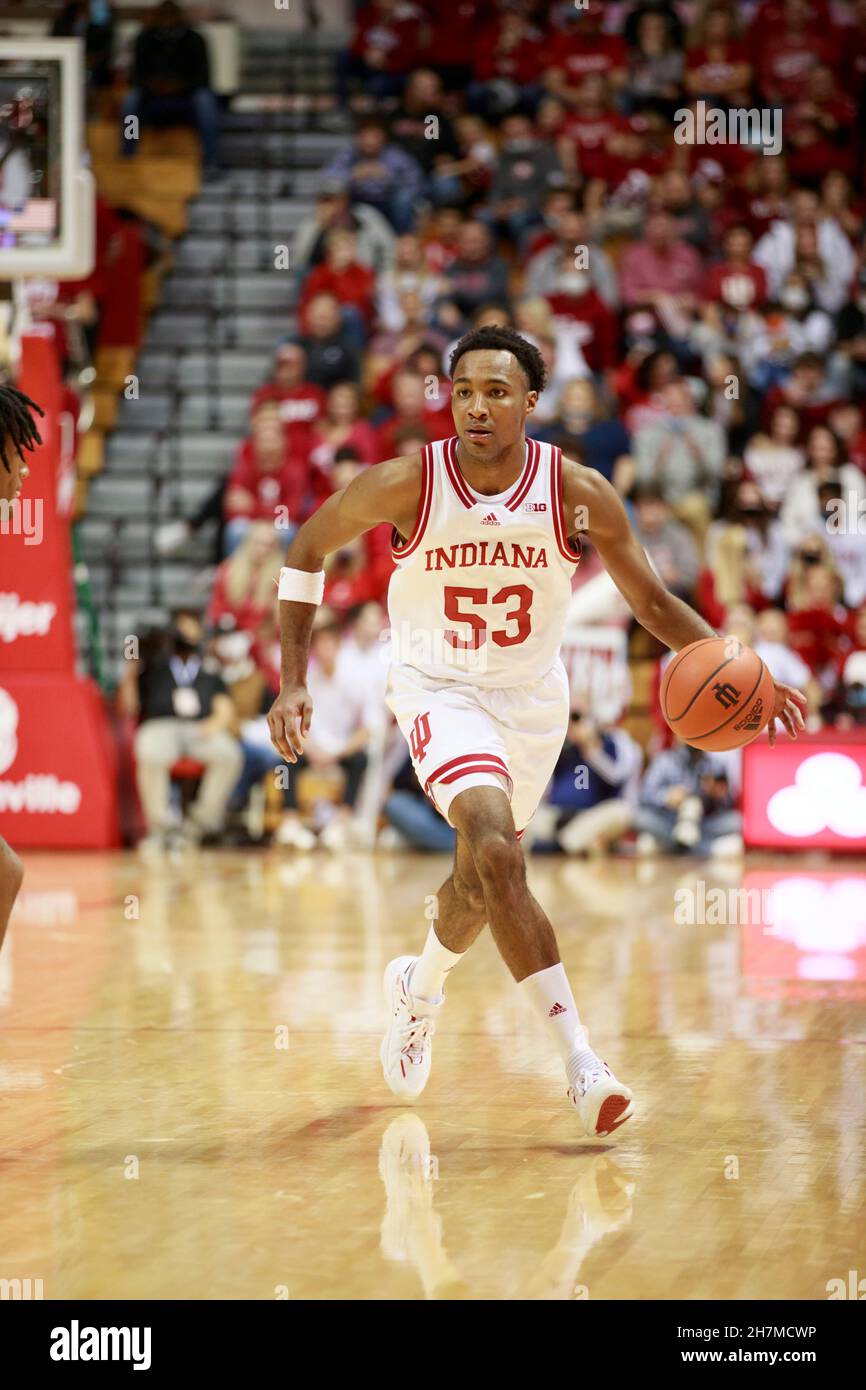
<point>191,1104</point>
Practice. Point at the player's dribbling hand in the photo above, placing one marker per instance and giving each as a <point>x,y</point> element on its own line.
<point>289,722</point>
<point>790,707</point>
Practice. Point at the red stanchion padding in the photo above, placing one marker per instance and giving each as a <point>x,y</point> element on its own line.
<point>58,776</point>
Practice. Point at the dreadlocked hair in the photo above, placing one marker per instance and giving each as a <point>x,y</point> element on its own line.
<point>17,426</point>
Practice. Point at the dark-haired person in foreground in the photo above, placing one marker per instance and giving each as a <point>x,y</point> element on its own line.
<point>17,432</point>
<point>487,530</point>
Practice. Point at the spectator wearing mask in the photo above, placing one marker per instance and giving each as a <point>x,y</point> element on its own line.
<point>570,233</point>
<point>171,82</point>
<point>772,340</point>
<point>525,169</point>
<point>583,431</point>
<point>777,250</point>
<point>184,711</point>
<point>571,297</point>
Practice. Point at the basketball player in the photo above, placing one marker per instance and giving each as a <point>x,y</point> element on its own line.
<point>486,537</point>
<point>17,432</point>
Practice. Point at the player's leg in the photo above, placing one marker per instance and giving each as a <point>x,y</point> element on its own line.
<point>11,874</point>
<point>527,943</point>
<point>460,917</point>
<point>415,985</point>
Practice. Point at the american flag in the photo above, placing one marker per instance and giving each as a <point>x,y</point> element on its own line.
<point>37,215</point>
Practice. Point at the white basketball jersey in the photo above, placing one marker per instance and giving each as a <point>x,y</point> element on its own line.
<point>482,586</point>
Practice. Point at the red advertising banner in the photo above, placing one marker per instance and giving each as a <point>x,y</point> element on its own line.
<point>36,593</point>
<point>57,765</point>
<point>810,794</point>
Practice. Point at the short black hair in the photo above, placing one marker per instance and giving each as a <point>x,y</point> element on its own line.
<point>504,340</point>
<point>17,426</point>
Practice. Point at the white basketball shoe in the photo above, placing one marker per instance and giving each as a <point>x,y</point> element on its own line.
<point>407,1047</point>
<point>602,1102</point>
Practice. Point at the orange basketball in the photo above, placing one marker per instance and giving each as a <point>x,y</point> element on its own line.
<point>717,694</point>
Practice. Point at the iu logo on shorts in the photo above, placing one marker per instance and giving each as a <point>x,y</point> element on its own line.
<point>420,736</point>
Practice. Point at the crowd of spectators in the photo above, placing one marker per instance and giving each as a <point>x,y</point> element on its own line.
<point>701,308</point>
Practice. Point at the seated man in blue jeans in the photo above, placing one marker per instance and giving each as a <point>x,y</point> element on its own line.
<point>171,83</point>
<point>686,804</point>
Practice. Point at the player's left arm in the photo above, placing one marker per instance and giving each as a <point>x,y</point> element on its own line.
<point>592,507</point>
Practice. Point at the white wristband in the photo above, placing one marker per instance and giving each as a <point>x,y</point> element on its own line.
<point>299,586</point>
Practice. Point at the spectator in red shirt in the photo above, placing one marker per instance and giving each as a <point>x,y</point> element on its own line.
<point>660,270</point>
<point>718,66</point>
<point>244,586</point>
<point>785,59</point>
<point>300,402</point>
<point>808,390</point>
<point>268,483</point>
<point>818,128</point>
<point>737,283</point>
<point>384,48</point>
<point>360,571</point>
<point>350,282</point>
<point>410,408</point>
<point>770,200</point>
<point>508,58</point>
<point>342,427</point>
<point>581,49</point>
<point>589,135</point>
<point>572,297</point>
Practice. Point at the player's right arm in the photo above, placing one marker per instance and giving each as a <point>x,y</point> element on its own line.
<point>388,492</point>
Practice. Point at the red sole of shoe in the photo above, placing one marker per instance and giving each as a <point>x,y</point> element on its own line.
<point>611,1116</point>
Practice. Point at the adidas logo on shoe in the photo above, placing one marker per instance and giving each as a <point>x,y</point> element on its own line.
<point>557,1009</point>
<point>491,519</point>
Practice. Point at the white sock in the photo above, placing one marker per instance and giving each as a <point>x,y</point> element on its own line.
<point>553,1001</point>
<point>428,975</point>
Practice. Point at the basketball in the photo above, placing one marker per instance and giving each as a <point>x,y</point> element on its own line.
<point>717,694</point>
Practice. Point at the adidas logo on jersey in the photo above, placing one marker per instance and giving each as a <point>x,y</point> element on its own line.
<point>491,519</point>
<point>557,1009</point>
<point>535,506</point>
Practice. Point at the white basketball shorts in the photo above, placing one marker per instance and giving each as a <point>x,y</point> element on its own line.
<point>460,735</point>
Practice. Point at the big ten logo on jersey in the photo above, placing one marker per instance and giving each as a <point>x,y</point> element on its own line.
<point>420,736</point>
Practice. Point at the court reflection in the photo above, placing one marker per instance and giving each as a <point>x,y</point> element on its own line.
<point>599,1204</point>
